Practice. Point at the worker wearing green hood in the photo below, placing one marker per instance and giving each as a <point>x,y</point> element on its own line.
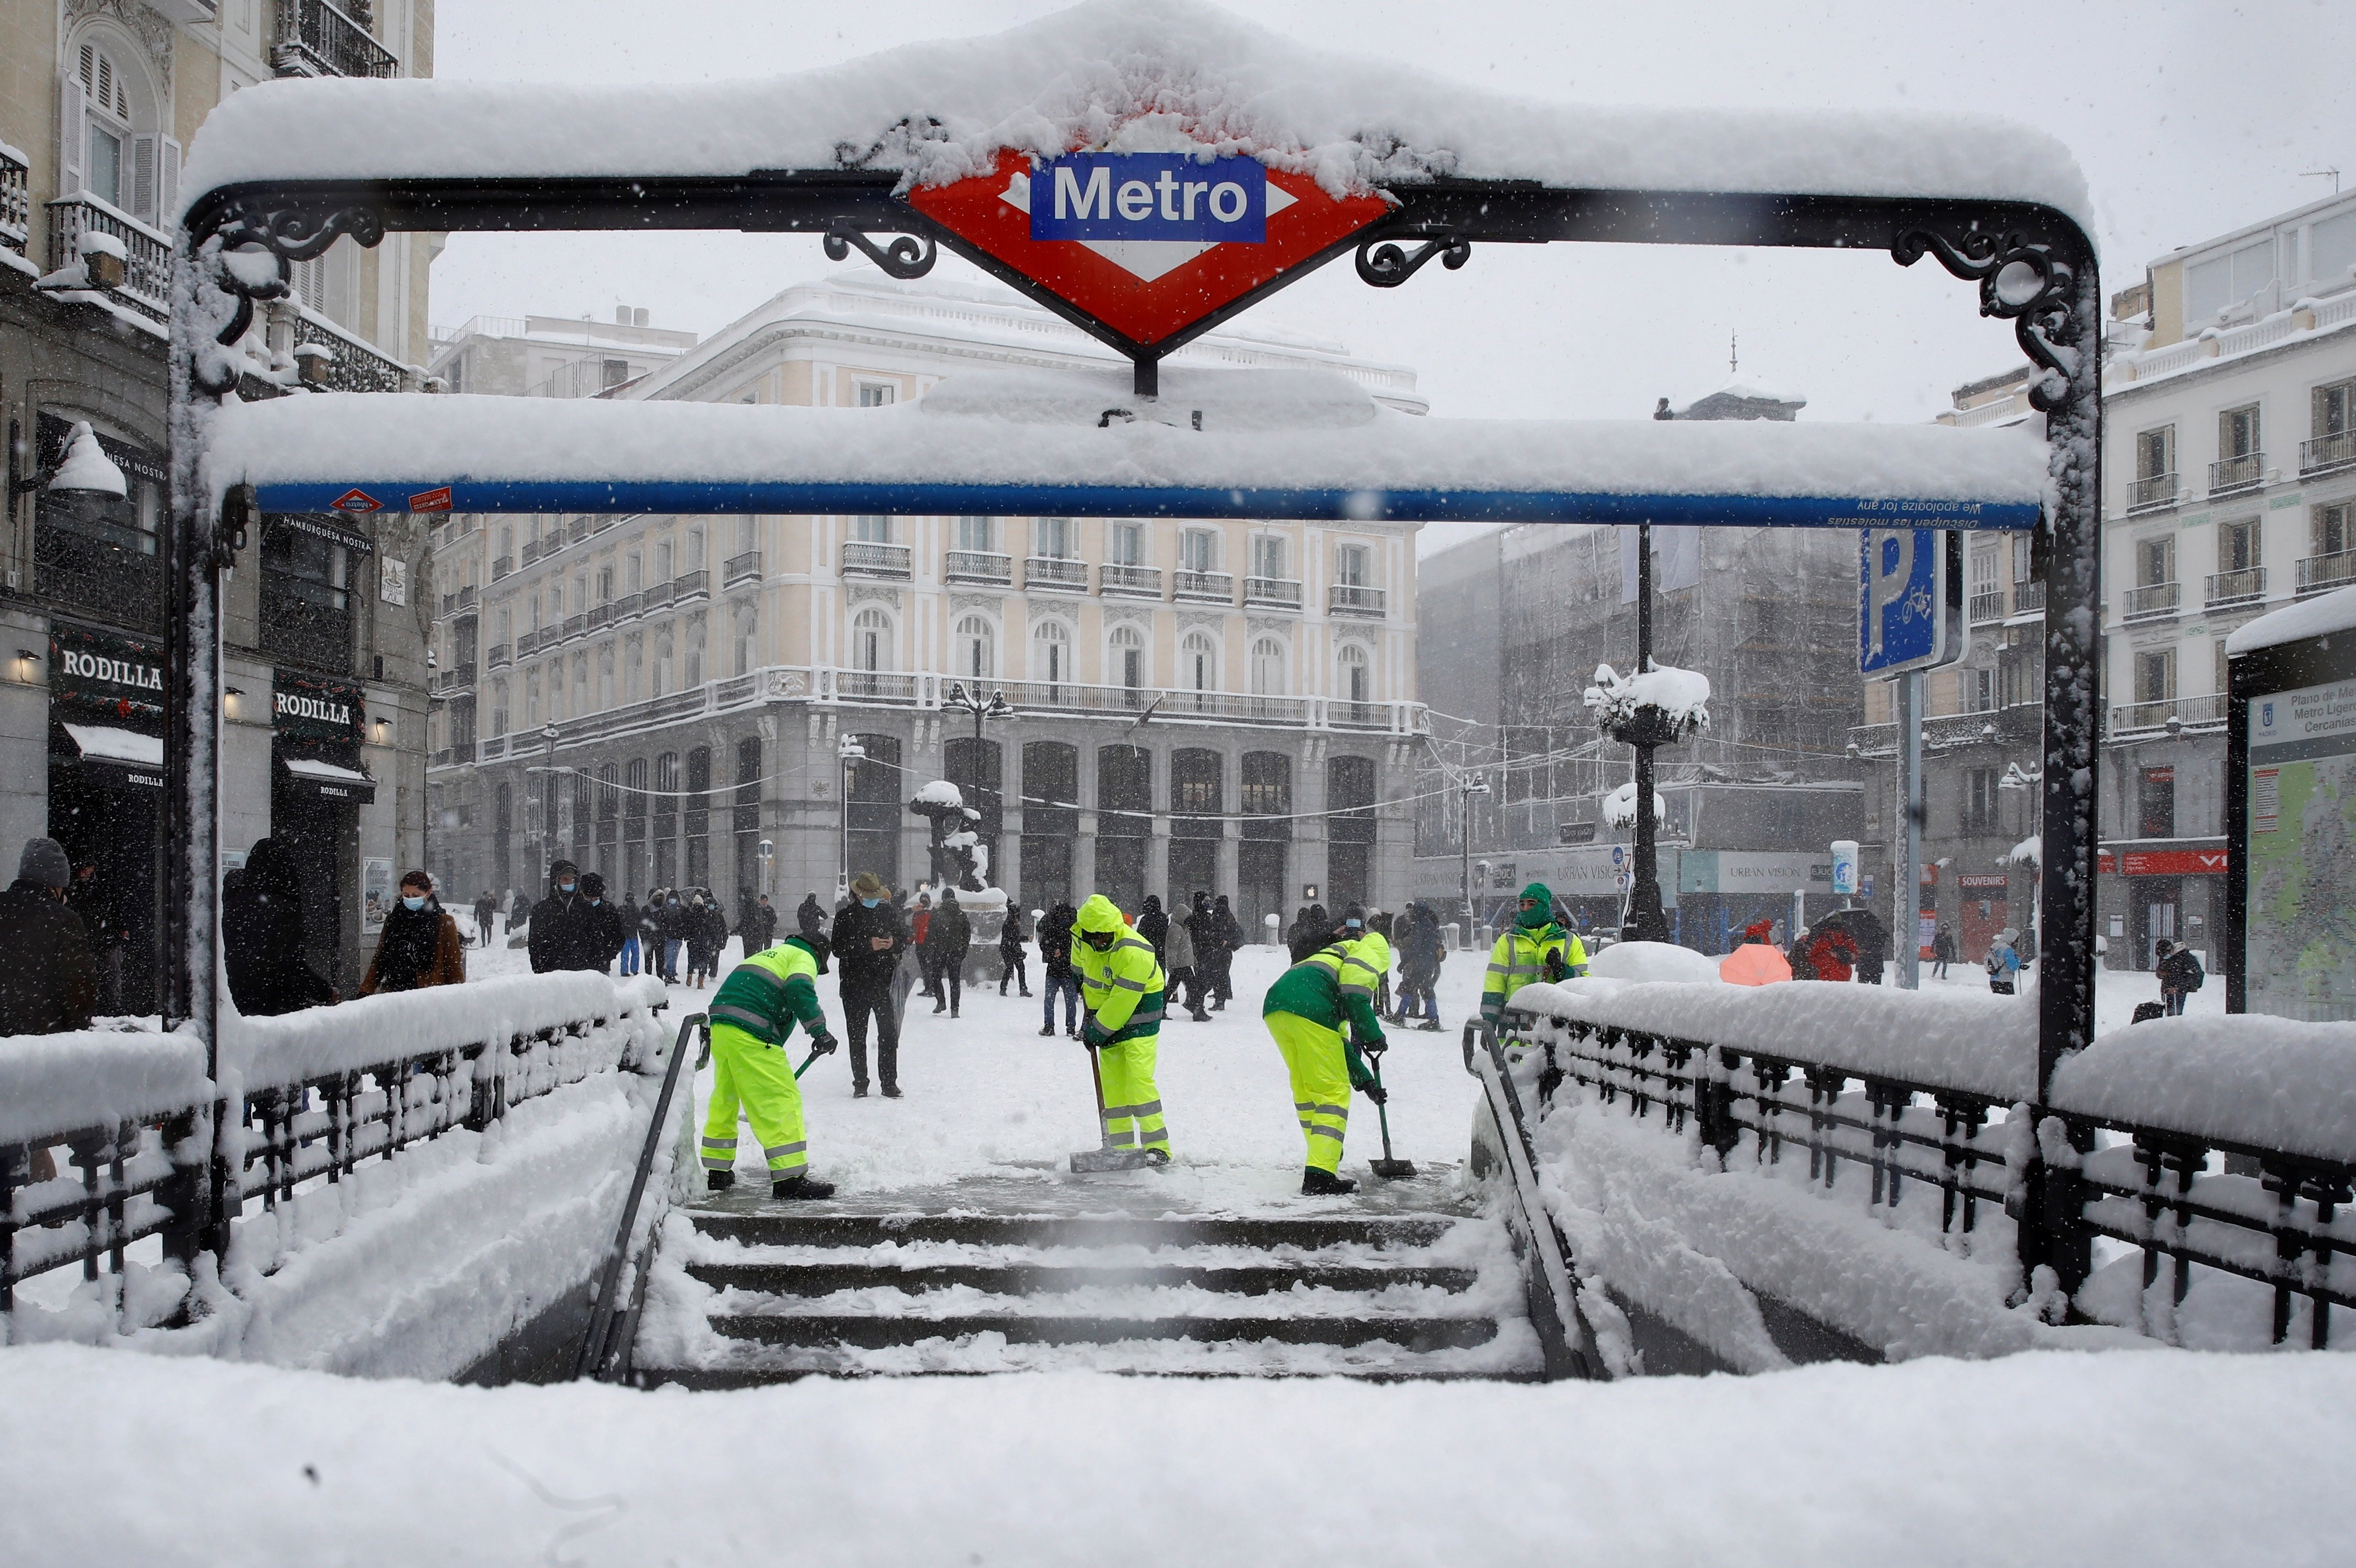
<point>1533,948</point>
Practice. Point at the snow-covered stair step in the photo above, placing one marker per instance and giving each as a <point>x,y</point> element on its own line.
<point>786,1228</point>
<point>820,1330</point>
<point>1010,1278</point>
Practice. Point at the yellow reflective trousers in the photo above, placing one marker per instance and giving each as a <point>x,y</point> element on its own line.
<point>1321,1084</point>
<point>760,1077</point>
<point>1133,1105</point>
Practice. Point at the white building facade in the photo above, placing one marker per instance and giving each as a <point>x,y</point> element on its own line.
<point>2229,476</point>
<point>1223,706</point>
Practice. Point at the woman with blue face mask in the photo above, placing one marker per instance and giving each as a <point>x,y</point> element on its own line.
<point>420,945</point>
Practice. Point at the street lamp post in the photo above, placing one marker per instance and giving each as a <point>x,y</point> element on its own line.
<point>994,706</point>
<point>547,732</point>
<point>847,751</point>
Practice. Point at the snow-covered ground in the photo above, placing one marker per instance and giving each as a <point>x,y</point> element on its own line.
<point>2155,1460</point>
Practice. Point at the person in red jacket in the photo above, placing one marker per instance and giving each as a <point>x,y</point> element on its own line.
<point>1831,953</point>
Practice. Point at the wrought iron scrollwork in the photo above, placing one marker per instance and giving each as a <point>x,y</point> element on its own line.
<point>1382,263</point>
<point>909,255</point>
<point>2021,281</point>
<point>249,256</point>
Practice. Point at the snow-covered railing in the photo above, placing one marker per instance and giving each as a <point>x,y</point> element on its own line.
<point>1938,1089</point>
<point>310,1100</point>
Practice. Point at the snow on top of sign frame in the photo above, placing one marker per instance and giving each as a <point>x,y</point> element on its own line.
<point>2318,617</point>
<point>1042,439</point>
<point>1075,80</point>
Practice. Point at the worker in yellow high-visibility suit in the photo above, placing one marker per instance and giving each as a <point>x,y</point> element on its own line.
<point>752,1014</point>
<point>1533,948</point>
<point>1121,986</point>
<point>1307,1011</point>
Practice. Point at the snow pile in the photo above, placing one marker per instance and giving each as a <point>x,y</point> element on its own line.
<point>2265,1083</point>
<point>941,792</point>
<point>2184,1461</point>
<point>941,111</point>
<point>1941,1038</point>
<point>405,444</point>
<point>1682,696</point>
<point>51,1084</point>
<point>1222,400</point>
<point>1620,806</point>
<point>1652,962</point>
<point>2318,617</point>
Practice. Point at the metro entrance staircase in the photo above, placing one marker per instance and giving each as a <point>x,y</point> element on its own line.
<point>1406,1283</point>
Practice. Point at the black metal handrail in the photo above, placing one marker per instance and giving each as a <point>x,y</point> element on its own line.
<point>604,1351</point>
<point>1565,1339</point>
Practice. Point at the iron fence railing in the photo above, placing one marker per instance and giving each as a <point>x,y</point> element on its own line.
<point>2323,454</point>
<point>1135,582</point>
<point>2028,595</point>
<point>980,566</point>
<point>2246,472</point>
<point>1209,587</point>
<point>2151,601</point>
<point>1274,593</point>
<point>15,203</point>
<point>863,559</point>
<point>1354,599</point>
<point>688,586</point>
<point>744,568</point>
<point>318,1104</point>
<point>2152,492</point>
<point>2191,713</point>
<point>316,39</point>
<point>2321,574</point>
<point>2245,586</point>
<point>1910,1112</point>
<point>1060,573</point>
<point>1988,606</point>
<point>148,252</point>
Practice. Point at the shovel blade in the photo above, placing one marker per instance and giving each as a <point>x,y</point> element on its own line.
<point>1392,1170</point>
<point>1090,1162</point>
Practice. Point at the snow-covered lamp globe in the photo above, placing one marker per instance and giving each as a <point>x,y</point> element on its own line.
<point>1659,706</point>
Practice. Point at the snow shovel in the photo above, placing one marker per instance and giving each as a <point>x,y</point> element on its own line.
<point>1090,1162</point>
<point>1386,1167</point>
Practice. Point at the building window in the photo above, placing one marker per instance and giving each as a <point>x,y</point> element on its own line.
<point>1125,546</point>
<point>1980,796</point>
<point>871,642</point>
<point>305,596</point>
<point>2335,409</point>
<point>1128,657</point>
<point>1268,667</point>
<point>499,707</point>
<point>1058,540</point>
<point>749,626</point>
<point>2156,803</point>
<point>871,530</point>
<point>606,677</point>
<point>1357,683</point>
<point>2155,675</point>
<point>692,672</point>
<point>1198,550</point>
<point>976,533</point>
<point>1351,568</point>
<point>2156,453</point>
<point>977,640</point>
<point>1051,652</point>
<point>1268,555</point>
<point>2332,529</point>
<point>612,374</point>
<point>662,666</point>
<point>2215,286</point>
<point>1198,662</point>
<point>2154,561</point>
<point>2237,545</point>
<point>877,395</point>
<point>2237,431</point>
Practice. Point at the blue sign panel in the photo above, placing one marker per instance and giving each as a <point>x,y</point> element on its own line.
<point>1150,196</point>
<point>1909,587</point>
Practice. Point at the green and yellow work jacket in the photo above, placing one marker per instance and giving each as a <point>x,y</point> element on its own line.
<point>1122,986</point>
<point>1520,957</point>
<point>1334,988</point>
<point>771,992</point>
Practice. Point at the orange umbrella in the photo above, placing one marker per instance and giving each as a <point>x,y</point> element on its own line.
<point>1753,963</point>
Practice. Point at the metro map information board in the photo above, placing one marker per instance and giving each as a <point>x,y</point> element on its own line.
<point>2300,918</point>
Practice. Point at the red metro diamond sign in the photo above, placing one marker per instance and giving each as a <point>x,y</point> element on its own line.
<point>1147,244</point>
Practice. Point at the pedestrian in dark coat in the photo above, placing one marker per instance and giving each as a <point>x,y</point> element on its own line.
<point>420,944</point>
<point>1154,925</point>
<point>487,911</point>
<point>1057,979</point>
<point>1943,953</point>
<point>810,919</point>
<point>608,925</point>
<point>946,939</point>
<point>50,981</point>
<point>760,930</point>
<point>1184,972</point>
<point>560,938</point>
<point>1011,961</point>
<point>263,937</point>
<point>2180,975</point>
<point>102,917</point>
<point>1231,941</point>
<point>869,939</point>
<point>706,932</point>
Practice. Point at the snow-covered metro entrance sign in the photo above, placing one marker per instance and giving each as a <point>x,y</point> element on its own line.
<point>1156,246</point>
<point>1909,599</point>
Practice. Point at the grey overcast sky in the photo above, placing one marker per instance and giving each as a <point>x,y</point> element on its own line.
<point>2188,119</point>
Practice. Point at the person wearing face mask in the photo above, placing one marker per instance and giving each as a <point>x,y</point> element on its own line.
<point>420,945</point>
<point>673,921</point>
<point>869,938</point>
<point>559,937</point>
<point>605,932</point>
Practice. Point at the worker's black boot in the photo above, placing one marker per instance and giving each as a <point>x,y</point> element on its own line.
<point>801,1186</point>
<point>1315,1183</point>
<point>719,1181</point>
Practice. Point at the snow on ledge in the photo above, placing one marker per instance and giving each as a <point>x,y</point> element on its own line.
<point>2317,617</point>
<point>56,1083</point>
<point>2267,1083</point>
<point>1068,80</point>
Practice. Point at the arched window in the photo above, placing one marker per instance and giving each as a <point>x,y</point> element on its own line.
<point>532,701</point>
<point>748,622</point>
<point>977,640</point>
<point>606,677</point>
<point>1268,667</point>
<point>1051,652</point>
<point>1356,685</point>
<point>507,546</point>
<point>1198,662</point>
<point>1128,660</point>
<point>661,666</point>
<point>580,683</point>
<point>693,659</point>
<point>499,707</point>
<point>634,669</point>
<point>870,640</point>
<point>105,152</point>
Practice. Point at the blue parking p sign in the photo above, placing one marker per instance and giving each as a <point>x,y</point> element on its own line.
<point>1909,599</point>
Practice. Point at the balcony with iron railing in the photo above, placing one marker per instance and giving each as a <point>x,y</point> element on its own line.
<point>577,626</point>
<point>1129,582</point>
<point>1204,587</point>
<point>1987,606</point>
<point>462,599</point>
<point>1356,599</point>
<point>501,566</point>
<point>875,686</point>
<point>16,202</point>
<point>457,678</point>
<point>1272,593</point>
<point>316,39</point>
<point>690,585</point>
<point>2153,601</point>
<point>527,644</point>
<point>1056,574</point>
<point>2190,713</point>
<point>980,566</point>
<point>576,531</point>
<point>148,252</point>
<point>529,553</point>
<point>2029,596</point>
<point>2228,476</point>
<point>2246,586</point>
<point>745,568</point>
<point>861,558</point>
<point>655,598</point>
<point>627,606</point>
<point>2151,494</point>
<point>2324,454</point>
<point>499,657</point>
<point>351,363</point>
<point>2321,574</point>
<point>600,615</point>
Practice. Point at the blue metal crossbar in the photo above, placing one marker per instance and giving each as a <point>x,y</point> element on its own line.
<point>691,496</point>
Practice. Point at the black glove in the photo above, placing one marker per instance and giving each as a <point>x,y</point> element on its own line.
<point>1556,970</point>
<point>823,1045</point>
<point>1093,1034</point>
<point>1377,1093</point>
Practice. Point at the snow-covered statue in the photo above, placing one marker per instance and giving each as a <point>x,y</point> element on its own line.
<point>959,859</point>
<point>1659,706</point>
